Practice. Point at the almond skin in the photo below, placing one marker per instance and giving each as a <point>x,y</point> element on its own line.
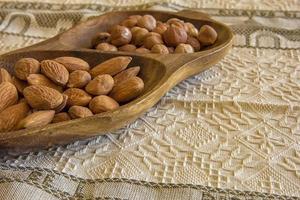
<point>20,85</point>
<point>11,116</point>
<point>111,66</point>
<point>61,117</point>
<point>55,71</point>
<point>100,85</point>
<point>79,79</point>
<point>4,76</point>
<point>73,63</point>
<point>77,97</point>
<point>39,118</point>
<point>8,95</point>
<point>26,66</point>
<point>79,112</point>
<point>124,75</point>
<point>40,79</point>
<point>42,97</point>
<point>62,105</point>
<point>128,90</point>
<point>102,103</point>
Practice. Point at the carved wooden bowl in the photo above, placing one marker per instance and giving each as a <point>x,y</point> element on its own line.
<point>159,72</point>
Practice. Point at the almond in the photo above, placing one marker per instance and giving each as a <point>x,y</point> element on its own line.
<point>128,90</point>
<point>55,71</point>
<point>26,66</point>
<point>79,79</point>
<point>79,112</point>
<point>40,79</point>
<point>39,118</point>
<point>102,103</point>
<point>61,117</point>
<point>111,66</point>
<point>20,85</point>
<point>4,76</point>
<point>73,63</point>
<point>124,75</point>
<point>102,84</point>
<point>77,97</point>
<point>8,95</point>
<point>62,105</point>
<point>42,97</point>
<point>11,116</point>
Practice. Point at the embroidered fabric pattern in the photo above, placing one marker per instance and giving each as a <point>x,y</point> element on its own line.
<point>231,132</point>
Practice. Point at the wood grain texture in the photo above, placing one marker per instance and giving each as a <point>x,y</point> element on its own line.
<point>159,72</point>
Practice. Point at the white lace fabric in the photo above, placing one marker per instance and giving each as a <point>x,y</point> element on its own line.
<point>235,126</point>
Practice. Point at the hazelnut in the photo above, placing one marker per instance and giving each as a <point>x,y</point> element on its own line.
<point>142,50</point>
<point>120,35</point>
<point>152,34</point>
<point>191,29</point>
<point>171,49</point>
<point>130,22</point>
<point>179,24</point>
<point>194,43</point>
<point>137,17</point>
<point>174,36</point>
<point>128,47</point>
<point>106,47</point>
<point>159,48</point>
<point>147,21</point>
<point>184,48</point>
<point>207,35</point>
<point>100,38</point>
<point>138,35</point>
<point>172,20</point>
<point>150,41</point>
<point>160,28</point>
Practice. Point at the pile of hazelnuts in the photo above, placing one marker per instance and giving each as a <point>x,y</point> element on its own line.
<point>144,34</point>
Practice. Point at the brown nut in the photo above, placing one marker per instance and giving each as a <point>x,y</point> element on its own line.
<point>191,29</point>
<point>40,79</point>
<point>79,79</point>
<point>138,35</point>
<point>142,50</point>
<point>106,47</point>
<point>8,95</point>
<point>184,48</point>
<point>62,105</point>
<point>79,112</point>
<point>102,103</point>
<point>171,49</point>
<point>102,37</point>
<point>172,20</point>
<point>55,71</point>
<point>150,41</point>
<point>73,63</point>
<point>120,35</point>
<point>39,118</point>
<point>20,85</point>
<point>147,21</point>
<point>159,48</point>
<point>153,34</point>
<point>26,66</point>
<point>61,117</point>
<point>128,48</point>
<point>160,28</point>
<point>100,85</point>
<point>207,35</point>
<point>4,76</point>
<point>174,36</point>
<point>194,43</point>
<point>77,97</point>
<point>129,22</point>
<point>128,90</point>
<point>126,74</point>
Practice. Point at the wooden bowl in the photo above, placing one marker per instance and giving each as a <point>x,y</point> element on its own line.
<point>159,72</point>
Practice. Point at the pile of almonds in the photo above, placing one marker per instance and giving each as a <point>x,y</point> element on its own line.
<point>144,34</point>
<point>64,88</point>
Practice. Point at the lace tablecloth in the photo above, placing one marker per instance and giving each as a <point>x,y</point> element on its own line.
<point>231,132</point>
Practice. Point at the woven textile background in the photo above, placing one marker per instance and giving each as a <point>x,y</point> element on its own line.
<point>231,132</point>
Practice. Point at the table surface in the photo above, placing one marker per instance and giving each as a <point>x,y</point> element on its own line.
<point>231,131</point>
